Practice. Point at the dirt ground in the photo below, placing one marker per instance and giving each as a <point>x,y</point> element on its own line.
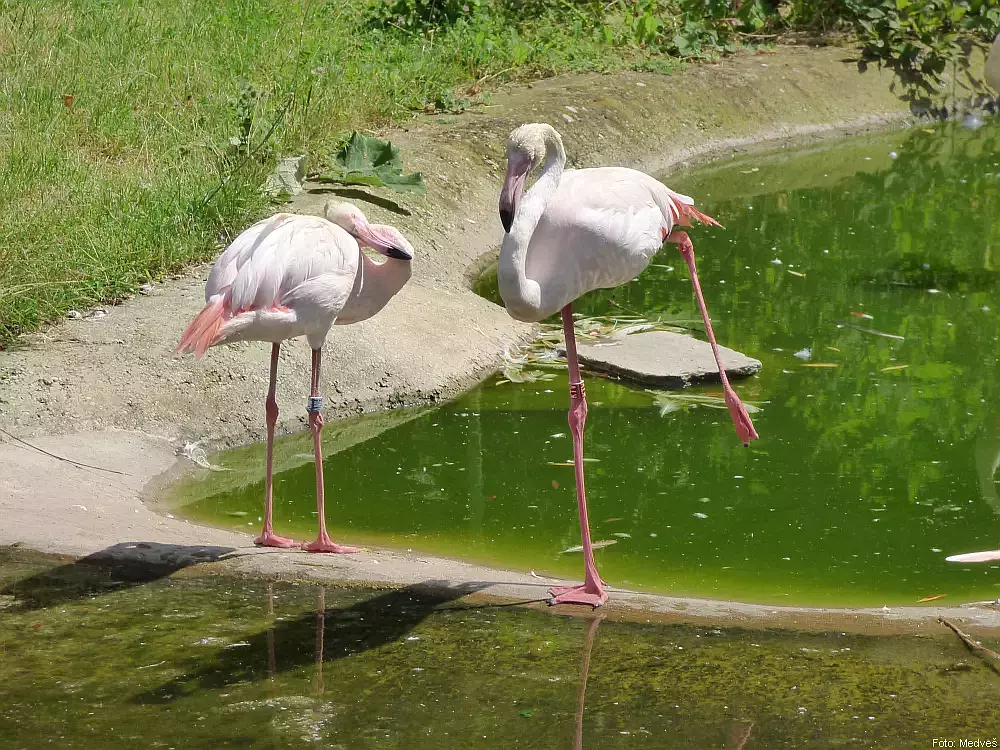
<point>108,391</point>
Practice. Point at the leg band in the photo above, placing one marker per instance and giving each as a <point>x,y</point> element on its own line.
<point>315,404</point>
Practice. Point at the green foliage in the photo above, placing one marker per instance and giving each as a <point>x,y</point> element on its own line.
<point>363,160</point>
<point>921,39</point>
<point>422,14</point>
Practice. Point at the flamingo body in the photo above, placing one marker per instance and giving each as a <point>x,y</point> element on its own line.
<point>285,276</point>
<point>600,229</point>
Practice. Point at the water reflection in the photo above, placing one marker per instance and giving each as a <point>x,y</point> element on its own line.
<point>987,461</point>
<point>336,633</point>
<point>588,647</point>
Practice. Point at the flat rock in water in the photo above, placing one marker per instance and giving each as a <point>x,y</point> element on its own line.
<point>663,359</point>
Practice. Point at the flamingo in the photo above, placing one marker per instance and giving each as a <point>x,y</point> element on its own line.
<point>578,230</point>
<point>292,275</point>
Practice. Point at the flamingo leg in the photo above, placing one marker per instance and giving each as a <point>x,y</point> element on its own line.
<point>592,591</point>
<point>323,542</point>
<point>267,537</point>
<point>741,419</point>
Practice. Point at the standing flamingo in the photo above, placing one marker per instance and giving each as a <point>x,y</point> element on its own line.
<point>290,276</point>
<point>575,231</point>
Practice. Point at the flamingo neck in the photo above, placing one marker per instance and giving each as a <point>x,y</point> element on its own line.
<point>376,284</point>
<point>521,295</point>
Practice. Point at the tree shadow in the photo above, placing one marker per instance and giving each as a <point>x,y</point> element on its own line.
<point>326,635</point>
<point>359,195</point>
<point>921,91</point>
<point>122,565</point>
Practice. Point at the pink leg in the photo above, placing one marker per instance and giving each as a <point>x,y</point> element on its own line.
<point>592,591</point>
<point>323,542</point>
<point>267,537</point>
<point>741,419</point>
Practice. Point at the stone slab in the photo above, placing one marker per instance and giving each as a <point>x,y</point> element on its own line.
<point>663,359</point>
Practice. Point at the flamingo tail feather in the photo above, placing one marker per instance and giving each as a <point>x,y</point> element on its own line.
<point>204,329</point>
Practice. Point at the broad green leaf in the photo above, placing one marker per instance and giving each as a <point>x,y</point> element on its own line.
<point>364,160</point>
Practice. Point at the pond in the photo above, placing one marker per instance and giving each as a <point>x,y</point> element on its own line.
<point>863,274</point>
<point>92,658</point>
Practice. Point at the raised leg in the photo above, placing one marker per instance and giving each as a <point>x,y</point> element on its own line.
<point>323,542</point>
<point>741,419</point>
<point>592,591</point>
<point>267,537</point>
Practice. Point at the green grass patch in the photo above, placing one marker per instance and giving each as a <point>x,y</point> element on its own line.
<point>135,134</point>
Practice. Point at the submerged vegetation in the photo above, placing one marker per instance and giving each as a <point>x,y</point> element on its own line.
<point>136,134</point>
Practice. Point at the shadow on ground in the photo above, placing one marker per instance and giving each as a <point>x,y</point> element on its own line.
<point>119,566</point>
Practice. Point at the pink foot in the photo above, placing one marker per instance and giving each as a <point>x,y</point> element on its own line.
<point>325,544</point>
<point>741,419</point>
<point>592,595</point>
<point>270,539</point>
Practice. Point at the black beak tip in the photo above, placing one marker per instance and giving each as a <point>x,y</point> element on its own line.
<point>395,252</point>
<point>506,218</point>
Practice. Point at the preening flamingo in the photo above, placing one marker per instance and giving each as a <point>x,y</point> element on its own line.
<point>290,276</point>
<point>574,231</point>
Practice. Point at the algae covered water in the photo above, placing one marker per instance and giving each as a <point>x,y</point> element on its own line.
<point>862,274</point>
<point>92,658</point>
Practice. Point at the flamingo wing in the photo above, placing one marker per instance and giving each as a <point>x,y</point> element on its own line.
<point>600,229</point>
<point>285,256</point>
<point>282,277</point>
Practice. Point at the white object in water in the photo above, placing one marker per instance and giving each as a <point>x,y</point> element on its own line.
<point>195,453</point>
<point>993,554</point>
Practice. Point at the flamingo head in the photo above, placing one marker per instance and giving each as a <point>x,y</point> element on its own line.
<point>382,238</point>
<point>526,149</point>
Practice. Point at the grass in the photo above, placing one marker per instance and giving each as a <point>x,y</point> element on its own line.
<point>135,134</point>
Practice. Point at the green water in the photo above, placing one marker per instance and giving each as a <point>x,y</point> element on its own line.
<point>92,659</point>
<point>869,472</point>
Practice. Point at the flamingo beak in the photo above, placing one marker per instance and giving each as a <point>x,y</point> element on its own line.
<point>513,186</point>
<point>383,239</point>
